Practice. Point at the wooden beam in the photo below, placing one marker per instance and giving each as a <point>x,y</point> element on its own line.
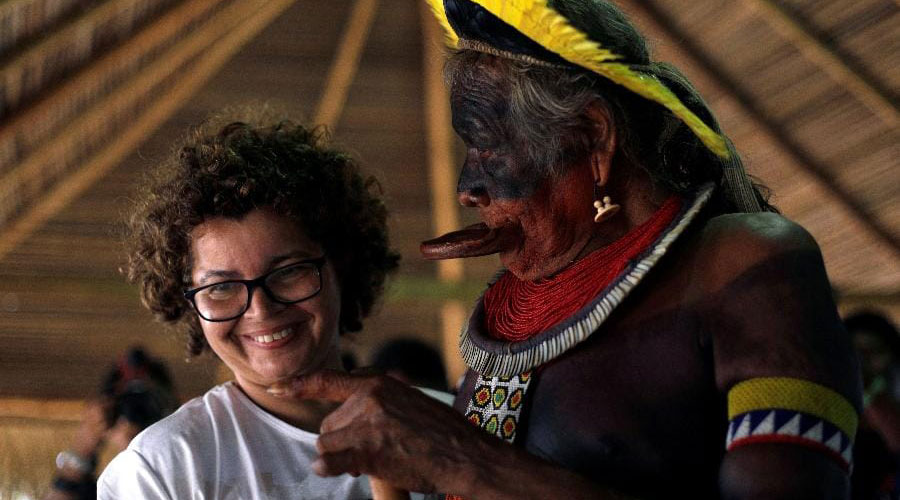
<point>29,127</point>
<point>442,180</point>
<point>774,130</point>
<point>441,169</point>
<point>345,63</point>
<point>453,319</point>
<point>27,73</point>
<point>67,410</point>
<point>252,16</point>
<point>827,57</point>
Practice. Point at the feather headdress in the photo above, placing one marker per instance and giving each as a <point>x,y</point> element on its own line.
<point>542,24</point>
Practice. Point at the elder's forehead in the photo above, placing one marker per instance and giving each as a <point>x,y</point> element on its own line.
<point>482,72</point>
<point>480,89</point>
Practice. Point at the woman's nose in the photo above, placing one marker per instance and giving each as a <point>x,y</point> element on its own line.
<point>261,305</point>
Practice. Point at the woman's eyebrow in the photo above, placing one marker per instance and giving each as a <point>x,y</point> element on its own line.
<point>299,254</point>
<point>207,275</point>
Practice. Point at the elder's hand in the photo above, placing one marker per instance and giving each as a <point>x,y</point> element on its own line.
<point>391,431</point>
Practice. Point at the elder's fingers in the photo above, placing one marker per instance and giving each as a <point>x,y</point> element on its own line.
<point>332,385</point>
<point>383,490</point>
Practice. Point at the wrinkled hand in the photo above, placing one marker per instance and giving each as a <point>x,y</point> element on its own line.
<point>391,431</point>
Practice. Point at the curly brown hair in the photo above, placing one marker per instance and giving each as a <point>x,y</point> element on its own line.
<point>242,167</point>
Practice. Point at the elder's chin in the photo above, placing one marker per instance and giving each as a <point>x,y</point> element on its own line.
<point>523,269</point>
<point>529,265</point>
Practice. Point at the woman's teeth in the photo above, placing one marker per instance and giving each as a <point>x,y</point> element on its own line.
<point>265,339</point>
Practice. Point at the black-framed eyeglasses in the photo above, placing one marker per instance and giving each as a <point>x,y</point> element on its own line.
<point>227,300</point>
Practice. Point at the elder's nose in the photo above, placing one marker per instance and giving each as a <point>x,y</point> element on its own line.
<point>473,198</point>
<point>470,188</point>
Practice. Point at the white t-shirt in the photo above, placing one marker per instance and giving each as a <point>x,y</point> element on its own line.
<point>223,446</point>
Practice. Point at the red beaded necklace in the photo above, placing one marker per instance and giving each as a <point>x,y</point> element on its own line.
<point>517,310</point>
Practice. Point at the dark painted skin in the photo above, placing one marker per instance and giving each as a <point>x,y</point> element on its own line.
<point>638,409</point>
<point>546,221</point>
<point>493,166</point>
<point>640,406</point>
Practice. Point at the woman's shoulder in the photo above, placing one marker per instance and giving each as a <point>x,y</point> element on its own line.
<point>184,440</point>
<point>194,422</point>
<point>222,445</point>
<point>130,475</point>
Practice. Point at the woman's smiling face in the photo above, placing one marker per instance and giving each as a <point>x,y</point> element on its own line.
<point>224,249</point>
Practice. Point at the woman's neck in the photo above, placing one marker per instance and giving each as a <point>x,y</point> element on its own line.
<point>306,414</point>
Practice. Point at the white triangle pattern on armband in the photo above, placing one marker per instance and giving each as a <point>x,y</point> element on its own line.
<point>790,427</point>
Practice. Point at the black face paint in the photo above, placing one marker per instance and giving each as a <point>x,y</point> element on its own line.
<point>494,165</point>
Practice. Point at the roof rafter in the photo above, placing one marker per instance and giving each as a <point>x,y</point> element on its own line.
<point>345,64</point>
<point>839,66</point>
<point>771,127</point>
<point>252,18</point>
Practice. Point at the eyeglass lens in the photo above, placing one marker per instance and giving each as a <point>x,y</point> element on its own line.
<point>230,299</point>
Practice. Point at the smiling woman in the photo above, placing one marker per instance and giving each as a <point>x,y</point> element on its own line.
<point>275,332</point>
<point>262,245</point>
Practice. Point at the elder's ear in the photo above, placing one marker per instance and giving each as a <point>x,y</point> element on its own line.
<point>603,142</point>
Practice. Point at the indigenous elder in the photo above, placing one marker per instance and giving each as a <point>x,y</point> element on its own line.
<point>264,245</point>
<point>658,329</point>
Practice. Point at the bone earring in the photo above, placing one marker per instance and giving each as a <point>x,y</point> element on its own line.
<point>605,208</point>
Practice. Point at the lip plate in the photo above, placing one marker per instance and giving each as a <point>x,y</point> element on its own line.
<point>472,241</point>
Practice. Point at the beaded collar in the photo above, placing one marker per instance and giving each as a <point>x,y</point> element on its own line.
<point>497,358</point>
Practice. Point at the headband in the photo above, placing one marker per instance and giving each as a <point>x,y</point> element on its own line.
<point>534,32</point>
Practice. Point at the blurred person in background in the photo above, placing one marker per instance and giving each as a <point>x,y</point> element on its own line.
<point>876,473</point>
<point>136,392</point>
<point>413,362</point>
<point>263,245</point>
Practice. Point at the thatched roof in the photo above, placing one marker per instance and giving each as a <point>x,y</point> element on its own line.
<point>807,89</point>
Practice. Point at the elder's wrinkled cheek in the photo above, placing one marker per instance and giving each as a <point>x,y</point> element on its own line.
<point>497,177</point>
<point>494,165</point>
<point>512,178</point>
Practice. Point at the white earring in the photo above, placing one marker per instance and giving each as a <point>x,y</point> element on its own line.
<point>605,209</point>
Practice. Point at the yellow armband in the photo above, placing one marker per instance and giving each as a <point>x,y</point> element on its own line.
<point>790,410</point>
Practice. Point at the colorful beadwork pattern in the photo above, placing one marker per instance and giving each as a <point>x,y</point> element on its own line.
<point>787,426</point>
<point>520,357</point>
<point>789,410</point>
<point>496,404</point>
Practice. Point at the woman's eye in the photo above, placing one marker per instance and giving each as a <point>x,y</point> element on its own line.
<point>291,273</point>
<point>223,290</point>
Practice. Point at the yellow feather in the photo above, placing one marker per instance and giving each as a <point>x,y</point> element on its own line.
<point>541,23</point>
<point>651,88</point>
<point>437,7</point>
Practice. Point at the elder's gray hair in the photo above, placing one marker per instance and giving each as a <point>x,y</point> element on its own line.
<point>546,112</point>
